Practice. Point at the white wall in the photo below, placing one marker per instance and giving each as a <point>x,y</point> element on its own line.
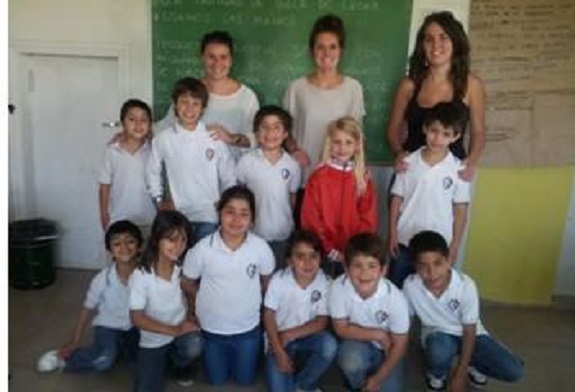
<point>90,23</point>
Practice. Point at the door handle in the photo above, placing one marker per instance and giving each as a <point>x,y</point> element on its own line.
<point>111,124</point>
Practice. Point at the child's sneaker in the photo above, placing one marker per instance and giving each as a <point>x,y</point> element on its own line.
<point>183,376</point>
<point>434,384</point>
<point>477,379</point>
<point>50,361</point>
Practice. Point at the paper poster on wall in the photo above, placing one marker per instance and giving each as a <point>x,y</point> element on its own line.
<point>524,50</point>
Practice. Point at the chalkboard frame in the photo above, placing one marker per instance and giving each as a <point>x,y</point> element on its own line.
<point>271,49</point>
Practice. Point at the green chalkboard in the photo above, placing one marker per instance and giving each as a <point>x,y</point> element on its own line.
<point>271,48</point>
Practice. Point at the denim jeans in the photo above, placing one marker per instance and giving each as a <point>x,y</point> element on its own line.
<point>358,360</point>
<point>311,356</point>
<point>279,249</point>
<point>400,267</point>
<point>232,356</point>
<point>490,357</point>
<point>152,362</point>
<point>107,343</point>
<point>202,229</point>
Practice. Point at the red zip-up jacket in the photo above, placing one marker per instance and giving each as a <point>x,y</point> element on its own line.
<point>333,209</point>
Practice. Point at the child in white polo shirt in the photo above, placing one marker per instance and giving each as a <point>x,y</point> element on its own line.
<point>122,191</point>
<point>429,195</point>
<point>198,168</point>
<point>226,274</point>
<point>370,315</point>
<point>108,293</point>
<point>299,348</point>
<point>274,177</point>
<point>447,303</point>
<point>158,307</point>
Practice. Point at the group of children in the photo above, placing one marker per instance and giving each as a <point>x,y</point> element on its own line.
<point>237,220</point>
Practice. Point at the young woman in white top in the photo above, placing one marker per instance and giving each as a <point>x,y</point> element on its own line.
<point>158,307</point>
<point>226,274</point>
<point>324,95</point>
<point>232,105</point>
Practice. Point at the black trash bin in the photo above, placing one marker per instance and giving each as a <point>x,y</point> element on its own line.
<point>32,245</point>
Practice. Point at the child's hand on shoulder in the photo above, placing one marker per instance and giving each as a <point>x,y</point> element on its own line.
<point>219,132</point>
<point>400,164</point>
<point>392,243</point>
<point>467,171</point>
<point>301,157</point>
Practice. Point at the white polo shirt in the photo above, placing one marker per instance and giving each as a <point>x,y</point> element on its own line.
<point>386,309</point>
<point>198,168</point>
<point>126,173</point>
<point>457,306</point>
<point>292,304</point>
<point>160,300</point>
<point>230,294</point>
<point>111,297</point>
<point>429,193</point>
<point>272,185</point>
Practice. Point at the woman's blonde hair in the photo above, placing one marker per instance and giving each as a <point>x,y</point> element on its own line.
<point>350,127</point>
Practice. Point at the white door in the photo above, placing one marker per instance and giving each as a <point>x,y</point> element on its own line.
<point>67,100</point>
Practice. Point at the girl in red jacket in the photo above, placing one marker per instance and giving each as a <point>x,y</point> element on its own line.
<point>339,199</point>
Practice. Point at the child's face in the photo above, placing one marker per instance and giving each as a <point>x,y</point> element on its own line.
<point>364,272</point>
<point>305,261</point>
<point>435,271</point>
<point>438,138</point>
<point>236,218</point>
<point>171,248</point>
<point>326,51</point>
<point>437,45</point>
<point>124,248</point>
<point>343,146</point>
<point>217,61</point>
<point>189,110</point>
<point>136,124</point>
<point>271,133</point>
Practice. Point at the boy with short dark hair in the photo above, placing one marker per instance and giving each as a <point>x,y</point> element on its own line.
<point>370,315</point>
<point>429,195</point>
<point>274,177</point>
<point>447,303</point>
<point>198,168</point>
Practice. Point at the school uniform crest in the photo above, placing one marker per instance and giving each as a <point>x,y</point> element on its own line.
<point>453,305</point>
<point>210,153</point>
<point>447,182</point>
<point>251,270</point>
<point>315,296</point>
<point>381,316</point>
<point>285,173</point>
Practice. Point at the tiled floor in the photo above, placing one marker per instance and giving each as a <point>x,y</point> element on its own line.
<point>43,319</point>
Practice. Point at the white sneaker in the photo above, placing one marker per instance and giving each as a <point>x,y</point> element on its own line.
<point>434,384</point>
<point>477,379</point>
<point>50,361</point>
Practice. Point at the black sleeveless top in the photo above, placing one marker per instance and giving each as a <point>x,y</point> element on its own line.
<point>415,114</point>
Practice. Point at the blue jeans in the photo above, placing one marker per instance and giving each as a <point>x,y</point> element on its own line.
<point>311,355</point>
<point>201,230</point>
<point>279,249</point>
<point>400,267</point>
<point>232,356</point>
<point>358,360</point>
<point>490,357</point>
<point>152,362</point>
<point>107,343</point>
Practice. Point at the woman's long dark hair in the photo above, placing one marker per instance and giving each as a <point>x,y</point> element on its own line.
<point>460,59</point>
<point>165,225</point>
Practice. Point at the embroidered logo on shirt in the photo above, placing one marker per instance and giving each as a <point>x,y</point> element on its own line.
<point>210,154</point>
<point>453,305</point>
<point>285,174</point>
<point>315,296</point>
<point>381,316</point>
<point>447,182</point>
<point>251,270</point>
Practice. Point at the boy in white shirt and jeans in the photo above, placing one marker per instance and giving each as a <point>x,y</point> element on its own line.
<point>370,316</point>
<point>447,303</point>
<point>198,167</point>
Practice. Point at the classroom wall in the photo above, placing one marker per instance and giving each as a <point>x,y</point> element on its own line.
<point>521,241</point>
